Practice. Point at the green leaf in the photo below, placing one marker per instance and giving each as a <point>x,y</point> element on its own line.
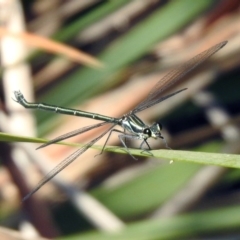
<point>179,227</point>
<point>153,186</point>
<point>6,137</point>
<point>91,17</point>
<point>218,159</point>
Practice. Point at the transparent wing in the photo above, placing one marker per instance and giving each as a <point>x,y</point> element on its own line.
<point>72,134</point>
<point>158,100</point>
<point>175,75</point>
<point>65,163</point>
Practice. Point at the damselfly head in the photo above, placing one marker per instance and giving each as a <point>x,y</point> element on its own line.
<point>156,130</point>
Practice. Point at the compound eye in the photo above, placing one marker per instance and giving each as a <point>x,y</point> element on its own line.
<point>160,126</point>
<point>147,131</point>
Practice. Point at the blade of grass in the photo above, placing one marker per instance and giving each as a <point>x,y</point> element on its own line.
<point>218,159</point>
<point>186,226</point>
<point>153,187</point>
<point>91,17</point>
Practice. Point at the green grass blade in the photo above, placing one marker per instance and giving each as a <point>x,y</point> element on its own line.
<point>219,159</point>
<point>215,221</point>
<point>91,17</point>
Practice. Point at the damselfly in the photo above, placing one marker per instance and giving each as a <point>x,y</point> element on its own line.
<point>133,126</point>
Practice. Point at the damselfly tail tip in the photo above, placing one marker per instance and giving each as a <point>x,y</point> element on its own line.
<point>16,94</point>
